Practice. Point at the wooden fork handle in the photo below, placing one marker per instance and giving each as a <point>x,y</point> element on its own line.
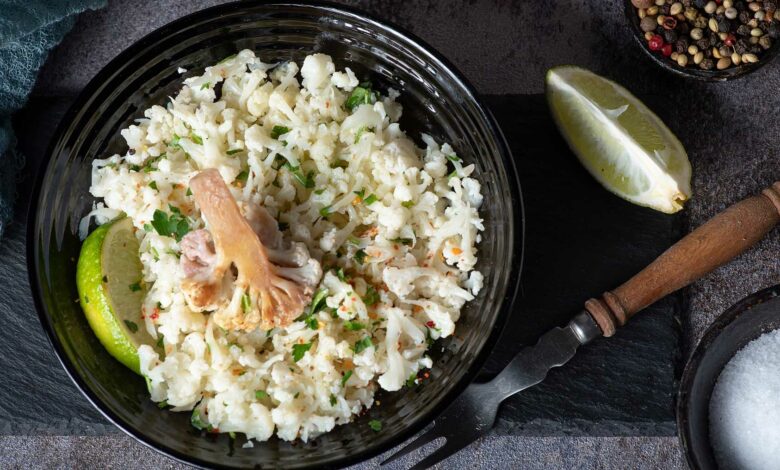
<point>718,241</point>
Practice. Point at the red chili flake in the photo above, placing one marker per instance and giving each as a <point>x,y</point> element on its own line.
<point>666,50</point>
<point>155,315</point>
<point>426,375</point>
<point>430,324</point>
<point>655,43</point>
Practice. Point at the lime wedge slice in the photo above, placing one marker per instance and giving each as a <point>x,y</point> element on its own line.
<point>623,144</point>
<point>108,278</point>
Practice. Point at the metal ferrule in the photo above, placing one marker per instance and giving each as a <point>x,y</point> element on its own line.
<point>584,327</point>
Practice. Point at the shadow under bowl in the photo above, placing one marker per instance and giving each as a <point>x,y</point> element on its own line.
<point>694,72</point>
<point>735,328</point>
<point>436,100</point>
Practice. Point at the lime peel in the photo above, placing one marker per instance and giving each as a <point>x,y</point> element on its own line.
<point>107,271</point>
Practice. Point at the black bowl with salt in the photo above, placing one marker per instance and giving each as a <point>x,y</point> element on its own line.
<point>726,401</point>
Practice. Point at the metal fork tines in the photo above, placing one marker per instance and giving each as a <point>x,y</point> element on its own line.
<point>472,414</point>
<point>465,420</point>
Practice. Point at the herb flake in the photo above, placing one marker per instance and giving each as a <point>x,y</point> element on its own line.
<point>345,378</point>
<point>299,350</point>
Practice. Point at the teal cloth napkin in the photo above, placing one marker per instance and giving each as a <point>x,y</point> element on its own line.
<point>28,30</point>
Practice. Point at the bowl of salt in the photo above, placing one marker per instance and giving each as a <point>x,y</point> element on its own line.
<point>728,405</point>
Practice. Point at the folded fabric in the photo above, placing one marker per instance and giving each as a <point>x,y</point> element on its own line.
<point>29,29</point>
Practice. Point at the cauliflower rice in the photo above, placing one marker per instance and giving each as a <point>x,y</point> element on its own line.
<point>394,227</point>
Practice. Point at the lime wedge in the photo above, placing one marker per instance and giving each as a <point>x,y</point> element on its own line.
<point>108,278</point>
<point>623,144</point>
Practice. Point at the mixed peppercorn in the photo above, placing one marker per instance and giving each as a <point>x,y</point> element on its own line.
<point>709,34</point>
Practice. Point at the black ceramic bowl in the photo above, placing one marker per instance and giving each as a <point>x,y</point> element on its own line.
<point>693,72</point>
<point>436,99</point>
<point>739,325</point>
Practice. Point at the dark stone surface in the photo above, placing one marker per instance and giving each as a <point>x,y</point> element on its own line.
<point>503,47</point>
<point>581,240</point>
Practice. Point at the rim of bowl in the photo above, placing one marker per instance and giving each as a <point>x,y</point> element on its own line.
<point>516,210</point>
<point>695,73</point>
<point>692,367</point>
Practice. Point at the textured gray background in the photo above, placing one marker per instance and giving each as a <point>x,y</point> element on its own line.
<point>501,47</point>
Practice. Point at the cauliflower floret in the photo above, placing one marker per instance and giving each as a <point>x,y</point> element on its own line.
<point>345,80</point>
<point>400,328</point>
<point>316,71</point>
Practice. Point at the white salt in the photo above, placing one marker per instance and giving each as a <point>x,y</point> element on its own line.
<point>745,408</point>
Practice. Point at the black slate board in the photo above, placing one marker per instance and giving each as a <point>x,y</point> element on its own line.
<point>580,241</point>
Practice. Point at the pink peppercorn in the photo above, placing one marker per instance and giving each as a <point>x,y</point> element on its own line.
<point>656,42</point>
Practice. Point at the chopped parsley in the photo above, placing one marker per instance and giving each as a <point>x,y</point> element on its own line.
<point>306,181</point>
<point>371,297</point>
<point>297,394</point>
<point>361,194</point>
<point>162,404</point>
<point>333,400</point>
<point>375,425</point>
<point>360,256</point>
<point>148,168</point>
<point>362,94</point>
<point>174,225</point>
<point>454,174</point>
<point>346,377</point>
<point>260,394</point>
<point>246,303</point>
<point>243,176</point>
<point>205,85</point>
<point>340,274</point>
<point>412,380</point>
<point>360,132</point>
<point>353,325</point>
<point>197,422</point>
<point>189,192</point>
<point>318,302</point>
<point>325,211</point>
<point>160,341</point>
<point>234,151</point>
<point>453,158</point>
<point>407,204</point>
<point>299,350</point>
<point>283,226</point>
<point>153,185</point>
<point>278,131</point>
<point>134,287</point>
<point>362,345</point>
<point>370,199</point>
<point>403,241</point>
<point>131,326</point>
<point>174,143</point>
<point>319,191</point>
<point>148,227</point>
<point>339,164</point>
<point>196,138</point>
<point>311,322</point>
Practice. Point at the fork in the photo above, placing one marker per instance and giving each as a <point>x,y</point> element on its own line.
<point>721,239</point>
<point>472,414</point>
